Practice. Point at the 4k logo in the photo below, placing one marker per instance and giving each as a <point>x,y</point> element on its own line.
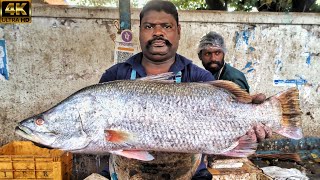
<point>15,11</point>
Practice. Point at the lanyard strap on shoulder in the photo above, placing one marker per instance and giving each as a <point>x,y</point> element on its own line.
<point>133,74</point>
<point>178,77</point>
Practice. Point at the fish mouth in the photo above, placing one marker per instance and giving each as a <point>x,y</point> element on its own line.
<point>27,133</point>
<point>23,131</point>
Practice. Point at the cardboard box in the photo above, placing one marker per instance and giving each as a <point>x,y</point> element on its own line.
<point>235,168</point>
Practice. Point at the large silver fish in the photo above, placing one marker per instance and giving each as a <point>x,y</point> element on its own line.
<point>130,118</point>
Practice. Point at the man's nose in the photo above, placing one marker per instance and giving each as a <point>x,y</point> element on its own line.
<point>158,30</point>
<point>212,57</point>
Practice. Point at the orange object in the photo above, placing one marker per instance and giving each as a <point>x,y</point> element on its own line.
<point>24,160</point>
<point>126,49</point>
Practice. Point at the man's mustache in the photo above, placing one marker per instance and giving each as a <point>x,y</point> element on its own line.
<point>168,43</point>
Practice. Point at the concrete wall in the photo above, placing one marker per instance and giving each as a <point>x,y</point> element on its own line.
<point>65,49</point>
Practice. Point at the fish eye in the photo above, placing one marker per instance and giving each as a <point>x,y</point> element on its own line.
<point>39,122</point>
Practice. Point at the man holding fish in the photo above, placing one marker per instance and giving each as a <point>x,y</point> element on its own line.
<point>138,118</point>
<point>159,36</point>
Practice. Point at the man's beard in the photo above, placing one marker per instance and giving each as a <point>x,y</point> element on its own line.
<point>213,70</point>
<point>168,43</point>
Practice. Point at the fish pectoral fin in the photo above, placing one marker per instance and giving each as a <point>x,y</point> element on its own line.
<point>239,94</point>
<point>134,154</point>
<point>119,137</point>
<point>244,147</point>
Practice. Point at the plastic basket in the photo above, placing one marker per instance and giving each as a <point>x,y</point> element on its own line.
<point>24,160</point>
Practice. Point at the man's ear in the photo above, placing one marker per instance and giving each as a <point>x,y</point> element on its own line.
<point>199,55</point>
<point>179,30</point>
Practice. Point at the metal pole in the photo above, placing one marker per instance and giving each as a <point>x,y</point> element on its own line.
<point>125,14</point>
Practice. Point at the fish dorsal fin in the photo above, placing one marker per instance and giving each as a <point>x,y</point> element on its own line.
<point>163,77</point>
<point>239,94</point>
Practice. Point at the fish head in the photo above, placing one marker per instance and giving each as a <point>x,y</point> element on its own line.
<point>60,127</point>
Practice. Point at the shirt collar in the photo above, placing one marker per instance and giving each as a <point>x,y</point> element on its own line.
<point>220,72</point>
<point>135,62</point>
<point>178,65</point>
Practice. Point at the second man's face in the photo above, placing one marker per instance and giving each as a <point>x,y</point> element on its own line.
<point>212,59</point>
<point>159,36</point>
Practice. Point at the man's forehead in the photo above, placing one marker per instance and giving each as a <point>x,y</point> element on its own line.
<point>212,49</point>
<point>157,16</point>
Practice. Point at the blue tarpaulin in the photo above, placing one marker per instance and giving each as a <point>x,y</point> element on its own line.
<point>3,60</point>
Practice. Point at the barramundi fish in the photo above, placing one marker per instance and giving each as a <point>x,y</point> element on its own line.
<point>131,118</point>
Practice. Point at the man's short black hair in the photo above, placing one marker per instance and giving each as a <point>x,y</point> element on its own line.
<point>159,5</point>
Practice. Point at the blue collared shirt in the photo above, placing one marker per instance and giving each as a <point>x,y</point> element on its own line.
<point>190,72</point>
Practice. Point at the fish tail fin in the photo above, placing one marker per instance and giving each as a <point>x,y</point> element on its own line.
<point>291,114</point>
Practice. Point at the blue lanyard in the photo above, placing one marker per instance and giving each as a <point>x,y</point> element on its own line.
<point>178,77</point>
<point>134,76</point>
